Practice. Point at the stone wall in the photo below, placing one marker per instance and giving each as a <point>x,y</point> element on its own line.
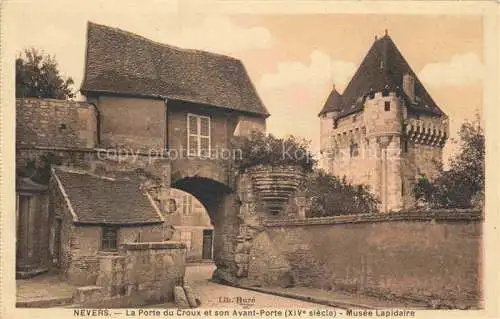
<point>134,123</point>
<point>382,162</point>
<point>55,123</point>
<point>139,274</point>
<point>433,257</point>
<point>84,248</point>
<point>357,169</point>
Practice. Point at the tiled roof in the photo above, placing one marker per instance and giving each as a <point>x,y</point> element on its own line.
<point>383,65</point>
<point>121,62</point>
<point>98,200</point>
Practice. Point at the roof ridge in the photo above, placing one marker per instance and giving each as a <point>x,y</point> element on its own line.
<point>170,46</point>
<point>136,65</point>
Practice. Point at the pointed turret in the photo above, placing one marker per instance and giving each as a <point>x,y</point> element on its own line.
<point>333,103</point>
<point>384,68</point>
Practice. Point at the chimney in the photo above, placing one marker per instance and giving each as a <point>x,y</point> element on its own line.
<point>409,86</point>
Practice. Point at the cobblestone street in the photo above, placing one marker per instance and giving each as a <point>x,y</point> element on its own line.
<point>220,296</point>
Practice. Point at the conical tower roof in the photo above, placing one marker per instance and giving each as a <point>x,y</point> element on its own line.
<point>333,103</point>
<point>383,67</point>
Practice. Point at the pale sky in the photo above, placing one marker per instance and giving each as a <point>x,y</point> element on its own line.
<point>293,60</point>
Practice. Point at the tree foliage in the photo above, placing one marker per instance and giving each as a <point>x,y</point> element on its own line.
<point>461,184</point>
<point>37,75</point>
<point>331,196</point>
<point>38,168</point>
<point>259,148</point>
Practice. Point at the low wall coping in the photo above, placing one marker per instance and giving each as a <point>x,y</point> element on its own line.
<point>432,215</point>
<point>154,245</point>
<point>89,288</point>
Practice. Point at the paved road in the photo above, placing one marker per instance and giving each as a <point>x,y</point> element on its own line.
<point>220,296</point>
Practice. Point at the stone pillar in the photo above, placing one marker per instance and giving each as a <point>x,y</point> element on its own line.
<point>389,173</point>
<point>226,228</point>
<point>394,175</point>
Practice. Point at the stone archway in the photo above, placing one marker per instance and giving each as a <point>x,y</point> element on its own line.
<point>191,224</point>
<point>223,205</point>
<point>238,207</point>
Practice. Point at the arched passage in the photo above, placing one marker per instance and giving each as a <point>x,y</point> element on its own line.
<point>222,205</point>
<point>192,225</point>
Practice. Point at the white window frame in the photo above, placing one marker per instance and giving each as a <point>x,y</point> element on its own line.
<point>198,136</point>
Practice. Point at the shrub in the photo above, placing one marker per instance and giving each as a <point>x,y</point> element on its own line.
<point>331,196</point>
<point>462,185</point>
<point>259,148</point>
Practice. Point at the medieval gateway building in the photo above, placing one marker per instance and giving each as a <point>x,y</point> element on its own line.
<point>385,130</point>
<point>96,175</point>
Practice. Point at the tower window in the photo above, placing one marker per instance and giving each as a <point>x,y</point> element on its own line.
<point>354,150</point>
<point>404,146</point>
<point>387,106</point>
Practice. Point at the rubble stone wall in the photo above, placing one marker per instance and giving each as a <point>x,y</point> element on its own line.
<point>139,274</point>
<point>55,123</point>
<point>433,257</point>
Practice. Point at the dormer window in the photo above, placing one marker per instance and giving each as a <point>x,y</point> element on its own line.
<point>385,91</point>
<point>371,94</point>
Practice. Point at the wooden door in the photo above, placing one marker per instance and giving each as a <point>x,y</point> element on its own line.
<point>207,243</point>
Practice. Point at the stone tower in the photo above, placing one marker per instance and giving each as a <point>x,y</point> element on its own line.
<point>384,130</point>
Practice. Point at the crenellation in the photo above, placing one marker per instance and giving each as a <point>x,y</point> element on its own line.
<point>383,136</point>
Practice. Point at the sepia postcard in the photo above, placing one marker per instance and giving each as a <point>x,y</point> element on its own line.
<point>264,159</point>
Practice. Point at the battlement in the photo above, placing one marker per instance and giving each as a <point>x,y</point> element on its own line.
<point>428,132</point>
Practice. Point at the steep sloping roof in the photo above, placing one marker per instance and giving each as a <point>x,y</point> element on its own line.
<point>121,62</point>
<point>383,65</point>
<point>333,102</point>
<point>97,200</point>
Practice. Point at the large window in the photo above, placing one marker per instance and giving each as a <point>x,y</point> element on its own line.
<point>109,238</point>
<point>198,128</point>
